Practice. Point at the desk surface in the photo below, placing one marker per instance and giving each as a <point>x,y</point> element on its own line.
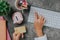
<point>52,33</point>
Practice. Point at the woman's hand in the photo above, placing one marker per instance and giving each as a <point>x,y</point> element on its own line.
<point>38,24</point>
<point>16,36</point>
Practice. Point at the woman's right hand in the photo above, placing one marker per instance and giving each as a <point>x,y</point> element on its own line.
<point>38,24</point>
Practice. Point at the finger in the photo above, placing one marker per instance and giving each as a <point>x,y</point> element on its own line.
<point>22,35</point>
<point>14,34</point>
<point>40,16</point>
<point>36,15</point>
<point>18,35</point>
<point>44,20</point>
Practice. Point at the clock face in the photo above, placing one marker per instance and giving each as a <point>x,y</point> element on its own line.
<point>17,17</point>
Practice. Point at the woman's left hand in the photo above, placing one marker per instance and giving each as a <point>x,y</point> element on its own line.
<point>16,36</point>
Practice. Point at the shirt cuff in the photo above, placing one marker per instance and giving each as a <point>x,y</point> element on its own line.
<point>41,38</point>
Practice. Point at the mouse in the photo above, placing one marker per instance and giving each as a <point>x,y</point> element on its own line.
<point>17,18</point>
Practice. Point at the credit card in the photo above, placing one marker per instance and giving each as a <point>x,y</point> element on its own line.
<point>20,29</point>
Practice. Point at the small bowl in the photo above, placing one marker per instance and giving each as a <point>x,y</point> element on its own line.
<point>20,7</point>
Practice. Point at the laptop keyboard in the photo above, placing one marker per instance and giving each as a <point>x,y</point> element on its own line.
<point>52,18</point>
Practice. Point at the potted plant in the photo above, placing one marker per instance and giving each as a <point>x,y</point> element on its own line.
<point>5,8</point>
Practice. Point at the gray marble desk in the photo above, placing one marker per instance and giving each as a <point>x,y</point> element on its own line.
<point>52,33</point>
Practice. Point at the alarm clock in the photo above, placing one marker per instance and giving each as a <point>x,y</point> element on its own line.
<point>17,18</point>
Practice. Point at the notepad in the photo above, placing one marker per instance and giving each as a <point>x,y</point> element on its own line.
<point>2,30</point>
<point>21,29</point>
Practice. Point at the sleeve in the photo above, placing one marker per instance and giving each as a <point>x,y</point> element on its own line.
<point>41,38</point>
